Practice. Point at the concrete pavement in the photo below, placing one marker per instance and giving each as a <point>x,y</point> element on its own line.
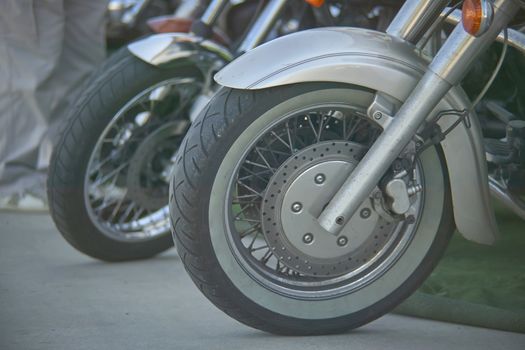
<point>52,297</point>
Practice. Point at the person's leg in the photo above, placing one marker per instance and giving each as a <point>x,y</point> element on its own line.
<point>51,46</point>
<point>31,37</point>
<point>83,49</point>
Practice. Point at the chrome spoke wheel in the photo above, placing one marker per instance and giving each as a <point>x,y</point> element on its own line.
<point>126,182</point>
<point>246,195</point>
<point>284,179</point>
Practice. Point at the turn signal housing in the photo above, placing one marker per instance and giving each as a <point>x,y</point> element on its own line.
<point>315,3</point>
<point>477,16</point>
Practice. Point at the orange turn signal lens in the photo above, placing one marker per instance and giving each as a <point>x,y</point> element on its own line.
<point>476,16</point>
<point>316,3</point>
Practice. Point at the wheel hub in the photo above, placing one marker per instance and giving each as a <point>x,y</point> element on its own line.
<point>150,164</point>
<point>297,194</point>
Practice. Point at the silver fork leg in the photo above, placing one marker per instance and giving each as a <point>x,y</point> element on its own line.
<point>262,25</point>
<point>445,71</point>
<point>213,11</point>
<point>414,18</point>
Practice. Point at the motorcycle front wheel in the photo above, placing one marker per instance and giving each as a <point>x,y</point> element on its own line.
<point>108,176</point>
<point>254,171</point>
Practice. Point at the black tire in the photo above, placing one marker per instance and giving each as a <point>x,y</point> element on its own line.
<point>204,148</point>
<point>118,80</point>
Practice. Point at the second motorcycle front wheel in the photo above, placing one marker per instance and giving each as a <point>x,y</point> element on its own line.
<point>256,169</point>
<point>108,177</point>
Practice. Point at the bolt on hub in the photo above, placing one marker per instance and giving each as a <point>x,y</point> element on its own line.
<point>297,207</point>
<point>319,178</point>
<point>342,241</point>
<point>308,238</point>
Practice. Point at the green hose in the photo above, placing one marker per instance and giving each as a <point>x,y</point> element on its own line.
<point>450,310</point>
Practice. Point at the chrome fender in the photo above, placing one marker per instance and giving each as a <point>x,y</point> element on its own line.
<point>167,49</point>
<point>385,64</point>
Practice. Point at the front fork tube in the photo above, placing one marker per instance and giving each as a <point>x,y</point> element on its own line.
<point>262,25</point>
<point>414,18</point>
<point>213,11</point>
<point>446,70</point>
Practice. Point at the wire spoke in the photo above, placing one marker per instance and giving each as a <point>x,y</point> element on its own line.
<point>250,246</point>
<point>238,202</point>
<point>104,205</point>
<point>126,214</point>
<point>249,189</point>
<point>259,248</point>
<point>101,164</point>
<point>264,159</point>
<point>255,174</point>
<point>108,176</point>
<point>344,128</point>
<point>117,208</point>
<point>288,133</point>
<point>248,196</point>
<point>266,257</point>
<point>250,230</point>
<point>312,125</point>
<point>259,165</point>
<point>138,213</point>
<point>250,220</point>
<point>237,217</point>
<point>320,131</point>
<point>355,124</point>
<point>275,152</point>
<point>288,145</point>
<point>295,133</point>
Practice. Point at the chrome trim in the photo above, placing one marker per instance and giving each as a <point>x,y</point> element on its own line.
<point>385,64</point>
<point>213,11</point>
<point>130,16</point>
<point>414,18</point>
<point>163,49</point>
<point>125,12</point>
<point>512,202</point>
<point>262,25</point>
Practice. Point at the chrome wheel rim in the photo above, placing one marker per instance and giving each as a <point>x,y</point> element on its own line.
<point>244,229</point>
<point>137,149</point>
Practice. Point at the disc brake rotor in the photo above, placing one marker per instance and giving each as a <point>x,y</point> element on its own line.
<point>297,194</point>
<point>151,162</point>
